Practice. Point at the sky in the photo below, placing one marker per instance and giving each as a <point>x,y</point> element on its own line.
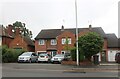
<point>52,14</point>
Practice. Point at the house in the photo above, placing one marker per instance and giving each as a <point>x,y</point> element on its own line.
<point>22,42</point>
<point>113,47</point>
<point>52,41</point>
<point>5,35</point>
<point>13,39</point>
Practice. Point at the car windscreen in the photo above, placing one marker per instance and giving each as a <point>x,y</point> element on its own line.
<point>59,55</point>
<point>26,54</point>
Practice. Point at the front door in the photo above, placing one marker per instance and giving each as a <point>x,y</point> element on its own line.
<point>53,53</point>
<point>103,56</point>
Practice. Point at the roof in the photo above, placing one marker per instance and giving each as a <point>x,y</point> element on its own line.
<point>0,30</point>
<point>112,40</point>
<point>3,32</point>
<point>53,33</point>
<point>119,42</point>
<point>28,41</point>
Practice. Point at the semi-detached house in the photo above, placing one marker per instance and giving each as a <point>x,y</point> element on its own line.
<point>52,41</point>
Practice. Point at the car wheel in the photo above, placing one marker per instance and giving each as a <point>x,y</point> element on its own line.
<point>48,61</point>
<point>30,61</point>
<point>36,61</point>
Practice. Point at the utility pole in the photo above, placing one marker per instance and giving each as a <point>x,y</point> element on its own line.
<point>77,52</point>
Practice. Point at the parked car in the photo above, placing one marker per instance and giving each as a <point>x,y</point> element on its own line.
<point>117,57</point>
<point>58,58</point>
<point>67,56</point>
<point>28,57</point>
<point>44,57</point>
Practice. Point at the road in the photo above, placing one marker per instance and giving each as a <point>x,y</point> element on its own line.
<point>48,70</point>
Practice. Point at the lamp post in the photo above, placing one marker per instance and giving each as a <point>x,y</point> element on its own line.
<point>77,52</point>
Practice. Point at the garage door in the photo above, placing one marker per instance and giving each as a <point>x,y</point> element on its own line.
<point>111,55</point>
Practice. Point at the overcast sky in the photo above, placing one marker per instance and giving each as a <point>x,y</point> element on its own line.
<point>52,14</point>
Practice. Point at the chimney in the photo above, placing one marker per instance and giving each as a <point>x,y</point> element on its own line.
<point>17,31</point>
<point>90,27</point>
<point>9,30</point>
<point>62,28</point>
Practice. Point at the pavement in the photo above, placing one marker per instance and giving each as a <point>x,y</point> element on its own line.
<point>102,67</point>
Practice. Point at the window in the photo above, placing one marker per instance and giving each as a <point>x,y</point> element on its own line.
<point>53,42</point>
<point>63,40</point>
<point>41,42</point>
<point>69,40</point>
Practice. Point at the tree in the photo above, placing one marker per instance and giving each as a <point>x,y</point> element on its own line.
<point>24,31</point>
<point>90,44</point>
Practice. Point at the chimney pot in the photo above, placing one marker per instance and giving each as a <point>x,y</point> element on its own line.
<point>62,29</point>
<point>90,27</point>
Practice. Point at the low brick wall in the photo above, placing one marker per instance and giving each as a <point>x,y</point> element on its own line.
<point>83,63</point>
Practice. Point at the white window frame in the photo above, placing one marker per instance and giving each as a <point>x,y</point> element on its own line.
<point>69,40</point>
<point>63,40</point>
<point>53,42</point>
<point>41,42</point>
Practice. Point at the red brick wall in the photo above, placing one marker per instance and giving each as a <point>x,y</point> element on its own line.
<point>39,47</point>
<point>18,42</point>
<point>65,34</point>
<point>6,40</point>
<point>31,48</point>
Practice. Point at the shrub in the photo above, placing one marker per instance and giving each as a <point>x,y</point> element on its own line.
<point>73,55</point>
<point>10,55</point>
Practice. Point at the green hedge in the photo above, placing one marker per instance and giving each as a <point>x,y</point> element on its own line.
<point>10,55</point>
<point>73,55</point>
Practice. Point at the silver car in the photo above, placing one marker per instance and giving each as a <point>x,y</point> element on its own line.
<point>57,58</point>
<point>28,57</point>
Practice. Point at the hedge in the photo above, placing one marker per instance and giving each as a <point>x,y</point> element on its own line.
<point>74,57</point>
<point>10,55</point>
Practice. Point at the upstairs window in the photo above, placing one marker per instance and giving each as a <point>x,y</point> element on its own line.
<point>53,42</point>
<point>63,40</point>
<point>69,40</point>
<point>41,42</point>
<point>66,41</point>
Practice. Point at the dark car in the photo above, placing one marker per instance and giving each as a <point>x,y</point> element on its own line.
<point>117,57</point>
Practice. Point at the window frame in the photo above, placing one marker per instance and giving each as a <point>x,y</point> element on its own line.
<point>63,40</point>
<point>53,42</point>
<point>41,42</point>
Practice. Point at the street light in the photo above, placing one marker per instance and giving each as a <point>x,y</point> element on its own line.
<point>77,52</point>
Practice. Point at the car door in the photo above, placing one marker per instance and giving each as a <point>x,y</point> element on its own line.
<point>34,57</point>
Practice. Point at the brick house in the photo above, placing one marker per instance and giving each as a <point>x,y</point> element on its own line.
<point>5,35</point>
<point>52,41</point>
<point>13,39</point>
<point>22,42</point>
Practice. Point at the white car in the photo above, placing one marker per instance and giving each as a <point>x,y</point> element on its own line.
<point>28,57</point>
<point>44,57</point>
<point>57,58</point>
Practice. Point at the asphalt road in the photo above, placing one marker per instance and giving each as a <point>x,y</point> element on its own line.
<point>49,70</point>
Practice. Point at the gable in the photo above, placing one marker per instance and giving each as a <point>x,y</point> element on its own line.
<point>18,41</point>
